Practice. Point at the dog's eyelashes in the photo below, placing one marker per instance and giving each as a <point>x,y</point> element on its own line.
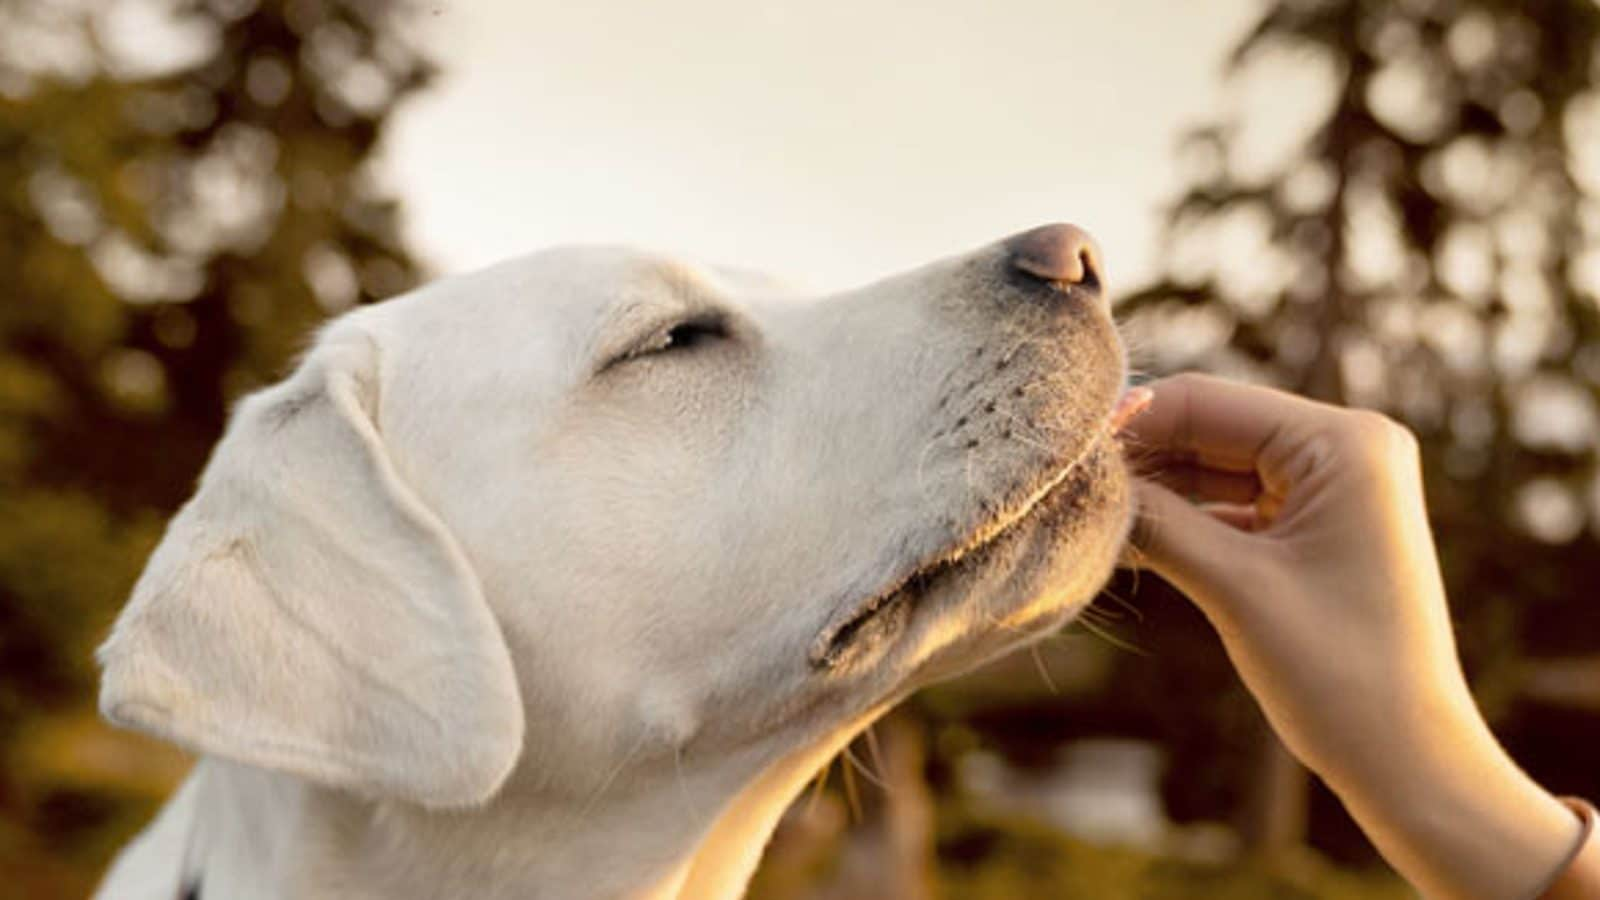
<point>690,334</point>
<point>686,335</point>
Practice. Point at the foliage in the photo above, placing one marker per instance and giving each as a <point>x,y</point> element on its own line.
<point>169,233</point>
<point>1428,245</point>
<point>1432,248</point>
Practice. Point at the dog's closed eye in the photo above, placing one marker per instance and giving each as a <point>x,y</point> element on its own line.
<point>681,336</point>
<point>687,335</point>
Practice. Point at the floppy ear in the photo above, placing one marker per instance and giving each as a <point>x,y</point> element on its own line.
<point>306,613</point>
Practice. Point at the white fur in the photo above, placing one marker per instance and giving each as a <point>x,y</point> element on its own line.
<point>476,603</point>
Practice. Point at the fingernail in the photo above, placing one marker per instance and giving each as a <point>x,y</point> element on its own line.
<point>1134,401</point>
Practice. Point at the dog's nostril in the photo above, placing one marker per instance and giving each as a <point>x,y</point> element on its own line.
<point>1091,268</point>
<point>1061,254</point>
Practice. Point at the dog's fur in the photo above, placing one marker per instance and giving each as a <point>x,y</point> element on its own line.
<point>505,593</point>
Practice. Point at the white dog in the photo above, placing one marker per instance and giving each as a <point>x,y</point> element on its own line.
<point>559,580</point>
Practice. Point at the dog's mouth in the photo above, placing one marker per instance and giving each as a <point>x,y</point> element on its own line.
<point>882,613</point>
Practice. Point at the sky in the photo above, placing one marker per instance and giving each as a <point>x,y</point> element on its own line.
<point>830,142</point>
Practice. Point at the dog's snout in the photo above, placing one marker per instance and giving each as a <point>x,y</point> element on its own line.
<point>1064,256</point>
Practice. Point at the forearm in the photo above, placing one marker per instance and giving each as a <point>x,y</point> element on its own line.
<point>1459,820</point>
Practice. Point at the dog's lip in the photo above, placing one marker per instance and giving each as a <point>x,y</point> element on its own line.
<point>828,647</point>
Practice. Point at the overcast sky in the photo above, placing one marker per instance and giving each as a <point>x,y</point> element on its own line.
<point>831,141</point>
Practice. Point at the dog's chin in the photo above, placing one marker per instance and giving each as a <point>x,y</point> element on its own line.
<point>1028,578</point>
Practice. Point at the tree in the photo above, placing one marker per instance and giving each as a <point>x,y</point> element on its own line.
<point>1429,246</point>
<point>172,225</point>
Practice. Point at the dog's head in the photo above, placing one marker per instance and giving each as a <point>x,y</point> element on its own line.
<point>594,508</point>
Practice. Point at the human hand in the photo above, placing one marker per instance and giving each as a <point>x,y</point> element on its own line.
<point>1308,549</point>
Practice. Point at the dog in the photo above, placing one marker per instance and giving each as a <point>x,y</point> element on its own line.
<point>560,579</point>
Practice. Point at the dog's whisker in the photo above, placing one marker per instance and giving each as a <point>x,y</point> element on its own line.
<point>1136,560</point>
<point>1100,614</point>
<point>605,783</point>
<point>852,796</point>
<point>1019,433</point>
<point>876,750</point>
<point>920,470</point>
<point>859,766</point>
<point>1095,616</point>
<point>1044,670</point>
<point>818,786</point>
<point>1123,603</point>
<point>683,784</point>
<point>1112,639</point>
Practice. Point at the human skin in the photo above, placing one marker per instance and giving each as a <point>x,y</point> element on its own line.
<point>1300,530</point>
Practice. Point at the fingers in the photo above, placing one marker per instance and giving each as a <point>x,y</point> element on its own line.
<point>1219,424</point>
<point>1196,549</point>
<point>1244,518</point>
<point>1203,484</point>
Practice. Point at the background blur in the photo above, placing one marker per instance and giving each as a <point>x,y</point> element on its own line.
<point>1394,204</point>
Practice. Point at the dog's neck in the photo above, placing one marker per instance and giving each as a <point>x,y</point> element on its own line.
<point>697,836</point>
<point>725,858</point>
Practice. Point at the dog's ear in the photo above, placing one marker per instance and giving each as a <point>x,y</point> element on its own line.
<point>305,612</point>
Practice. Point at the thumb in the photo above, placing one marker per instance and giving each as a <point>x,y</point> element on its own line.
<point>1186,545</point>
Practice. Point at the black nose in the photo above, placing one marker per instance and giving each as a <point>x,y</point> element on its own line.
<point>1062,255</point>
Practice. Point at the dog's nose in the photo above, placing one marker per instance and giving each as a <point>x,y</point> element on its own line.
<point>1062,255</point>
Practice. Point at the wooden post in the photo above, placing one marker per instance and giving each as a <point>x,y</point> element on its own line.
<point>1275,810</point>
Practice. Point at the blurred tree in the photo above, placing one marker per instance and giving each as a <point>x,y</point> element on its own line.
<point>1426,243</point>
<point>184,192</point>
